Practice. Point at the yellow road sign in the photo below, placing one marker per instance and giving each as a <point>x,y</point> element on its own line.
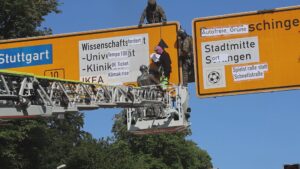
<point>111,56</point>
<point>248,52</point>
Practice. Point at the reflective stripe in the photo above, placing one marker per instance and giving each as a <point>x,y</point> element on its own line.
<point>164,82</point>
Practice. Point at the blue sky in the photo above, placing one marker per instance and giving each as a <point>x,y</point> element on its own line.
<point>258,131</point>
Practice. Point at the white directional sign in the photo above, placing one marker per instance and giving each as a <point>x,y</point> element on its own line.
<point>116,59</point>
<point>247,52</point>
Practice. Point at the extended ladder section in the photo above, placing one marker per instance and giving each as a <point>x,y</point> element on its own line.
<point>149,109</point>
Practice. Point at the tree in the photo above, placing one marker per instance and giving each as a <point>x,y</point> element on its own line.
<point>23,18</point>
<point>64,135</point>
<point>162,151</point>
<point>127,151</point>
<point>14,140</point>
<point>89,154</point>
<point>39,143</point>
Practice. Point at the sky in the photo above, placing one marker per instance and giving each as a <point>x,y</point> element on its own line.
<point>254,131</point>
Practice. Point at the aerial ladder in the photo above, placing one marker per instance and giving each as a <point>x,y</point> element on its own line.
<point>149,109</point>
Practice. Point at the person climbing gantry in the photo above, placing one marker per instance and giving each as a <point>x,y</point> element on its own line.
<point>153,13</point>
<point>186,56</point>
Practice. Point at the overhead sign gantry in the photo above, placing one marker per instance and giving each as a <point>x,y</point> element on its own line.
<point>111,56</point>
<point>106,62</point>
<point>247,52</point>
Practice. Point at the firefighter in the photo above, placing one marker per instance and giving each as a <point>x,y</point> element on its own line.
<point>186,56</point>
<point>146,79</point>
<point>153,13</point>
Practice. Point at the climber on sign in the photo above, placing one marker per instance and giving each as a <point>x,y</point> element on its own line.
<point>153,13</point>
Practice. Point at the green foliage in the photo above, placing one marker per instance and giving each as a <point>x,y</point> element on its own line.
<point>44,144</point>
<point>21,18</point>
<point>39,143</point>
<point>163,151</point>
<point>89,154</point>
<point>14,140</point>
<point>127,151</point>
